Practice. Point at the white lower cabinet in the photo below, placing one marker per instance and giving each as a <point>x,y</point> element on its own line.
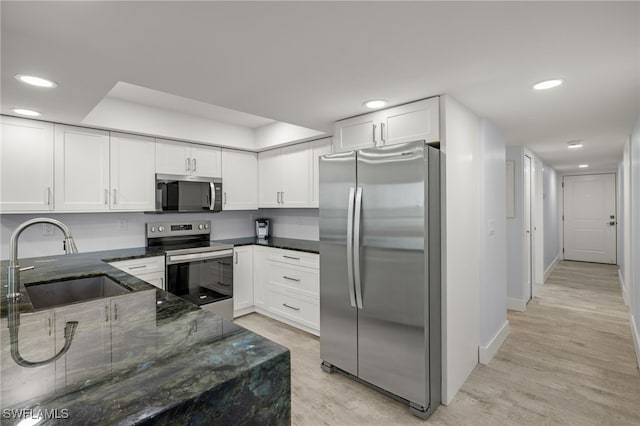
<point>112,334</point>
<point>286,286</point>
<point>36,342</point>
<point>149,269</point>
<point>242,280</point>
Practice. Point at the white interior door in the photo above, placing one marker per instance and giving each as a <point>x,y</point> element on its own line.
<point>590,218</point>
<point>527,228</point>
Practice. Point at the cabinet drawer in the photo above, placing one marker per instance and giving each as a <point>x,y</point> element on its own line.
<point>293,257</point>
<point>137,267</point>
<point>304,280</point>
<point>300,309</point>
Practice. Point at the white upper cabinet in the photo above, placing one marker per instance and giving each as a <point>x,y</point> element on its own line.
<point>318,149</point>
<point>405,123</point>
<point>178,158</point>
<point>355,133</point>
<point>411,122</point>
<point>269,178</point>
<point>283,177</point>
<point>239,180</point>
<point>26,165</point>
<point>81,169</point>
<point>132,172</point>
<point>296,160</point>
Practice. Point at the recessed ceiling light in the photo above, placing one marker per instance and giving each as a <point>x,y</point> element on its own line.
<point>583,166</point>
<point>375,103</point>
<point>574,145</point>
<point>36,81</point>
<point>27,112</point>
<point>547,84</point>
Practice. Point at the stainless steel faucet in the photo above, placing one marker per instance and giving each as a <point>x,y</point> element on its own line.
<point>13,271</point>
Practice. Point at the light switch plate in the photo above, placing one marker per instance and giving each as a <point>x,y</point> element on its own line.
<point>491,227</point>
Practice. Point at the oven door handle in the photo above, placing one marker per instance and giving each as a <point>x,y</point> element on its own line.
<point>183,258</point>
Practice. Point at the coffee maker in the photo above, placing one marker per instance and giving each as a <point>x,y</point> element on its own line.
<point>262,228</point>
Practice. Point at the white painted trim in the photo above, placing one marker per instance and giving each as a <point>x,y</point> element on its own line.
<point>623,289</point>
<point>551,267</point>
<point>486,353</point>
<point>636,338</point>
<point>516,304</point>
<point>243,311</point>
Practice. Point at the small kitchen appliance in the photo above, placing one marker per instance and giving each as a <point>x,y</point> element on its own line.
<point>262,228</point>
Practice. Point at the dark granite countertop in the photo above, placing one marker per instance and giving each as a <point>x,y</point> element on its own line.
<point>144,357</point>
<point>308,246</point>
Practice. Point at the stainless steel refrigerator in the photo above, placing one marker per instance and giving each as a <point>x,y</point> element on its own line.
<point>380,270</point>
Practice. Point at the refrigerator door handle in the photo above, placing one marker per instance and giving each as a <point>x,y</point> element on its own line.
<point>352,296</point>
<point>356,247</point>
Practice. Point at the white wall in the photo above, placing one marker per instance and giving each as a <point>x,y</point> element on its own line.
<point>101,231</point>
<point>293,223</point>
<point>620,207</point>
<point>515,235</point>
<point>493,241</point>
<point>626,218</point>
<point>634,234</point>
<point>279,133</point>
<point>460,130</point>
<point>142,119</point>
<point>551,205</point>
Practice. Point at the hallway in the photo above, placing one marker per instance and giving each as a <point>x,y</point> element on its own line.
<point>569,359</point>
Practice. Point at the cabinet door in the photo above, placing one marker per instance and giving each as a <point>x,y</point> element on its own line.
<point>89,356</point>
<point>173,158</point>
<point>355,133</point>
<point>205,161</point>
<point>133,323</point>
<point>26,165</point>
<point>81,169</point>
<point>415,121</point>
<point>318,149</point>
<point>242,280</point>
<point>296,176</point>
<point>36,342</point>
<point>260,279</point>
<point>239,180</point>
<point>132,172</point>
<point>269,178</point>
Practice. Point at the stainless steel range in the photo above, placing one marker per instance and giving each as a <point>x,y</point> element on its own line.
<point>196,269</point>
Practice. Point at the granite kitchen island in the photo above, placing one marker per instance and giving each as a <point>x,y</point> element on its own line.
<point>142,357</point>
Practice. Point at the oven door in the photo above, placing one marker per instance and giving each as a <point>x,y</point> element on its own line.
<point>201,278</point>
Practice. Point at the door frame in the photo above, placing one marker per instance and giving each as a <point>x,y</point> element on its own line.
<point>528,287</point>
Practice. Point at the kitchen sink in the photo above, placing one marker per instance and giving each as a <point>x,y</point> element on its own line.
<point>65,292</point>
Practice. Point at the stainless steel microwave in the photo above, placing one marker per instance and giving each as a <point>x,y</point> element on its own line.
<point>175,193</point>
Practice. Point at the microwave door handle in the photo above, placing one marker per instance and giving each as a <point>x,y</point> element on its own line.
<point>212,198</point>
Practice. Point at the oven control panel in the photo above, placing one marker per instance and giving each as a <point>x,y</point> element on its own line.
<point>178,229</point>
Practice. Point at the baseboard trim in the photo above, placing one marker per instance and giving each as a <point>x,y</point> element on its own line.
<point>516,304</point>
<point>486,353</point>
<point>623,289</point>
<point>551,267</point>
<point>636,338</point>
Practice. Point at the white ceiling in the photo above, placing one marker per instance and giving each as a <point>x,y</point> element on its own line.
<point>311,63</point>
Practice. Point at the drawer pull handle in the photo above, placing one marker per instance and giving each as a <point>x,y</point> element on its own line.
<point>290,257</point>
<point>290,307</point>
<point>137,267</point>
<point>291,279</point>
<point>221,283</point>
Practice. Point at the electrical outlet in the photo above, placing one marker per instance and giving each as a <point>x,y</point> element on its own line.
<point>122,224</point>
<point>47,229</point>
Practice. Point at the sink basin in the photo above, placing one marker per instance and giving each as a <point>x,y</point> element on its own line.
<point>65,292</point>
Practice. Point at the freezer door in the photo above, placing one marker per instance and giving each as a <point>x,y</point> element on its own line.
<point>338,314</point>
<point>392,324</point>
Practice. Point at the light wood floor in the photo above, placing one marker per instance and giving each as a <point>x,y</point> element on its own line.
<point>569,360</point>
